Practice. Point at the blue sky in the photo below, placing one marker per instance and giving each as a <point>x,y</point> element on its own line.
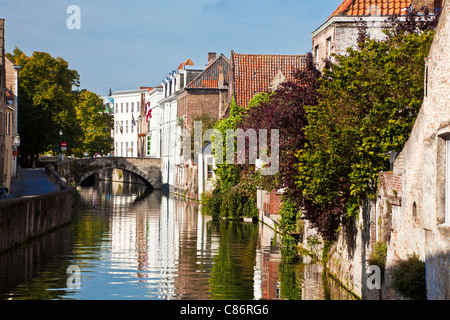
<point>132,43</point>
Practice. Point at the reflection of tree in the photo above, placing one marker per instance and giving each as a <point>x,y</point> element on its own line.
<point>291,276</point>
<point>232,271</point>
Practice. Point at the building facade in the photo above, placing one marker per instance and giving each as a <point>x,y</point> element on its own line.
<point>149,124</point>
<point>12,141</point>
<point>203,99</point>
<point>171,130</point>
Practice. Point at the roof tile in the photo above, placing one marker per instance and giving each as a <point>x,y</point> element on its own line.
<point>371,7</point>
<point>254,73</point>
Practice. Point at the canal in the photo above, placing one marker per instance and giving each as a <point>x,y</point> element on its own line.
<point>128,243</point>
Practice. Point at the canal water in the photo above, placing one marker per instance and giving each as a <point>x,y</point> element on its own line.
<point>128,243</point>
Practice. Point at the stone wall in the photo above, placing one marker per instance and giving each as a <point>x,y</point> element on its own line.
<point>409,211</point>
<point>24,218</point>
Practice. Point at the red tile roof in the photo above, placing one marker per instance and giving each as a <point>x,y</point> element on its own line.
<point>254,73</point>
<point>372,7</point>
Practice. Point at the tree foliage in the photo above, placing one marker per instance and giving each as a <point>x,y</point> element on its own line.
<point>45,99</point>
<point>49,102</point>
<point>94,123</point>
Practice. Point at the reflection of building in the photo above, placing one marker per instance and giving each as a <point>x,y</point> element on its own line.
<point>206,167</point>
<point>266,273</point>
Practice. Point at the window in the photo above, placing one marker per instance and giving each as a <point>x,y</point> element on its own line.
<point>131,148</point>
<point>8,125</point>
<point>121,149</point>
<point>126,108</point>
<point>447,180</point>
<point>328,47</point>
<point>126,126</point>
<point>149,145</point>
<point>316,54</point>
<point>132,107</point>
<point>121,126</point>
<point>121,108</point>
<point>117,126</point>
<point>210,172</point>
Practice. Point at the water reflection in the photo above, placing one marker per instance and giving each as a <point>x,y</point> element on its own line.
<point>131,244</point>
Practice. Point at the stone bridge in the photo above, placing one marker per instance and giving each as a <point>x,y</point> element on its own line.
<point>76,171</point>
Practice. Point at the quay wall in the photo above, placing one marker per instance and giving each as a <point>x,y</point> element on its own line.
<point>24,218</point>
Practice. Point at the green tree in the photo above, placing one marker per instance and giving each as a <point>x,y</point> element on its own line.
<point>45,99</point>
<point>95,125</point>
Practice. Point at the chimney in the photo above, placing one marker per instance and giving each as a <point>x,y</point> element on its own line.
<point>211,56</point>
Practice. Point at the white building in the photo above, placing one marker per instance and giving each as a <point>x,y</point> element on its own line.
<point>170,131</point>
<point>150,123</point>
<point>126,115</point>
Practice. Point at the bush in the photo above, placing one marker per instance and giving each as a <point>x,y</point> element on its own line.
<point>229,203</point>
<point>409,278</point>
<point>378,257</point>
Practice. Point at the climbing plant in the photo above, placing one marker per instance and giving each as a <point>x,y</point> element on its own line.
<point>368,102</point>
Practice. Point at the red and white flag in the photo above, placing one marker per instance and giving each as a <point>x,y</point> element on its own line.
<point>149,111</point>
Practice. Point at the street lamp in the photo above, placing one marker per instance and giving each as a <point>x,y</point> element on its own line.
<point>60,144</point>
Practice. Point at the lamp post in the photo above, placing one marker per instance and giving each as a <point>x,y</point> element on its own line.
<point>60,143</point>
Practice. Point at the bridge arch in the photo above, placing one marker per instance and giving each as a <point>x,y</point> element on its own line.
<point>147,169</point>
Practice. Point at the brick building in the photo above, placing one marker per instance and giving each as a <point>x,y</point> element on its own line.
<point>189,93</point>
<point>204,98</point>
<point>340,31</point>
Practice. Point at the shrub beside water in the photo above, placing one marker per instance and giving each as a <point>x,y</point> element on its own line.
<point>229,203</point>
